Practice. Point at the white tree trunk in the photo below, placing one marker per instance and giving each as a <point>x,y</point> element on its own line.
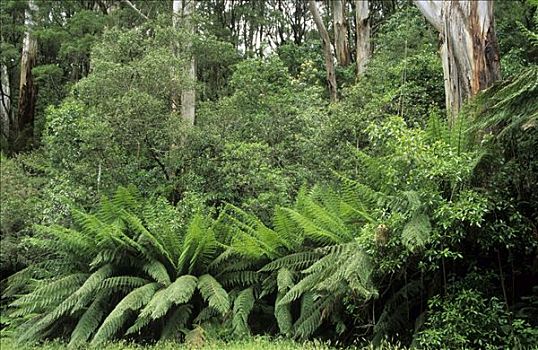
<point>364,49</point>
<point>183,10</point>
<point>469,49</point>
<point>341,45</point>
<point>5,104</point>
<point>327,51</point>
<point>27,88</point>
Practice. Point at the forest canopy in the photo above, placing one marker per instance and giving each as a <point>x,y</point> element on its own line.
<point>356,172</point>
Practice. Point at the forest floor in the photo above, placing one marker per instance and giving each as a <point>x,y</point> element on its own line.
<point>254,343</point>
<point>248,344</point>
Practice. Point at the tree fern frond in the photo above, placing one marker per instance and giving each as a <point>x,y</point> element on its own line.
<point>123,283</point>
<point>294,262</point>
<point>156,270</point>
<point>89,321</point>
<point>283,316</point>
<point>118,316</point>
<point>243,304</point>
<point>50,293</point>
<point>312,316</point>
<point>199,245</point>
<point>213,293</point>
<point>243,278</point>
<point>135,223</point>
<point>206,314</point>
<point>416,233</point>
<point>284,279</point>
<point>312,231</point>
<point>176,322</point>
<point>179,292</point>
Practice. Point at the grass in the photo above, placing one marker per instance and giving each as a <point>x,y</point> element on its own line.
<point>247,344</point>
<point>253,343</point>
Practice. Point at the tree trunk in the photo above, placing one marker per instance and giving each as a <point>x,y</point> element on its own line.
<point>469,49</point>
<point>364,50</point>
<point>340,33</point>
<point>27,87</point>
<point>183,10</point>
<point>6,118</point>
<point>326,43</point>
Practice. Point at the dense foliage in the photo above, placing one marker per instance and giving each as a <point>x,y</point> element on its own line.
<point>369,220</point>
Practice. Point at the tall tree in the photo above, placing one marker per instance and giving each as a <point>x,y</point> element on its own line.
<point>183,11</point>
<point>341,44</point>
<point>6,118</point>
<point>27,86</point>
<point>469,48</point>
<point>364,50</point>
<point>327,51</point>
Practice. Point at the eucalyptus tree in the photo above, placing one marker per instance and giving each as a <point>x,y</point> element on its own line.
<point>27,87</point>
<point>469,49</point>
<point>363,45</point>
<point>183,12</point>
<point>327,50</point>
<point>341,44</point>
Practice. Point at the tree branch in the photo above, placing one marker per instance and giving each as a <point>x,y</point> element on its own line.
<point>432,10</point>
<point>131,5</point>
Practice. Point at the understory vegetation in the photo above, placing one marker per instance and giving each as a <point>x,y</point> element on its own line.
<point>367,222</point>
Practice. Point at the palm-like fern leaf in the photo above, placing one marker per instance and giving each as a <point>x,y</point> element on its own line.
<point>118,316</point>
<point>214,294</point>
<point>243,304</point>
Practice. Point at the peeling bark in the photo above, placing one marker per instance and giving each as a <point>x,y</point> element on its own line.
<point>327,51</point>
<point>340,33</point>
<point>27,87</point>
<point>469,48</point>
<point>364,49</point>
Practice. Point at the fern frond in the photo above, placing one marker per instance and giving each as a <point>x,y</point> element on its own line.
<point>416,233</point>
<point>283,316</point>
<point>214,294</point>
<point>284,279</point>
<point>313,315</point>
<point>199,245</point>
<point>89,321</point>
<point>48,293</point>
<point>294,262</point>
<point>176,322</point>
<point>243,304</point>
<point>123,283</point>
<point>156,270</point>
<point>179,292</point>
<point>243,278</point>
<point>118,316</point>
<point>135,223</point>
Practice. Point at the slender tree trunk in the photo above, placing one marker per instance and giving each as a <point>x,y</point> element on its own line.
<point>469,49</point>
<point>6,118</point>
<point>27,87</point>
<point>326,43</point>
<point>183,10</point>
<point>341,44</point>
<point>364,50</point>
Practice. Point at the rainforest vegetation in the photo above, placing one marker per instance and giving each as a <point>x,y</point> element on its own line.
<point>271,174</point>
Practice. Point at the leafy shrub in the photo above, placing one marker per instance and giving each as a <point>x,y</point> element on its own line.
<point>467,319</point>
